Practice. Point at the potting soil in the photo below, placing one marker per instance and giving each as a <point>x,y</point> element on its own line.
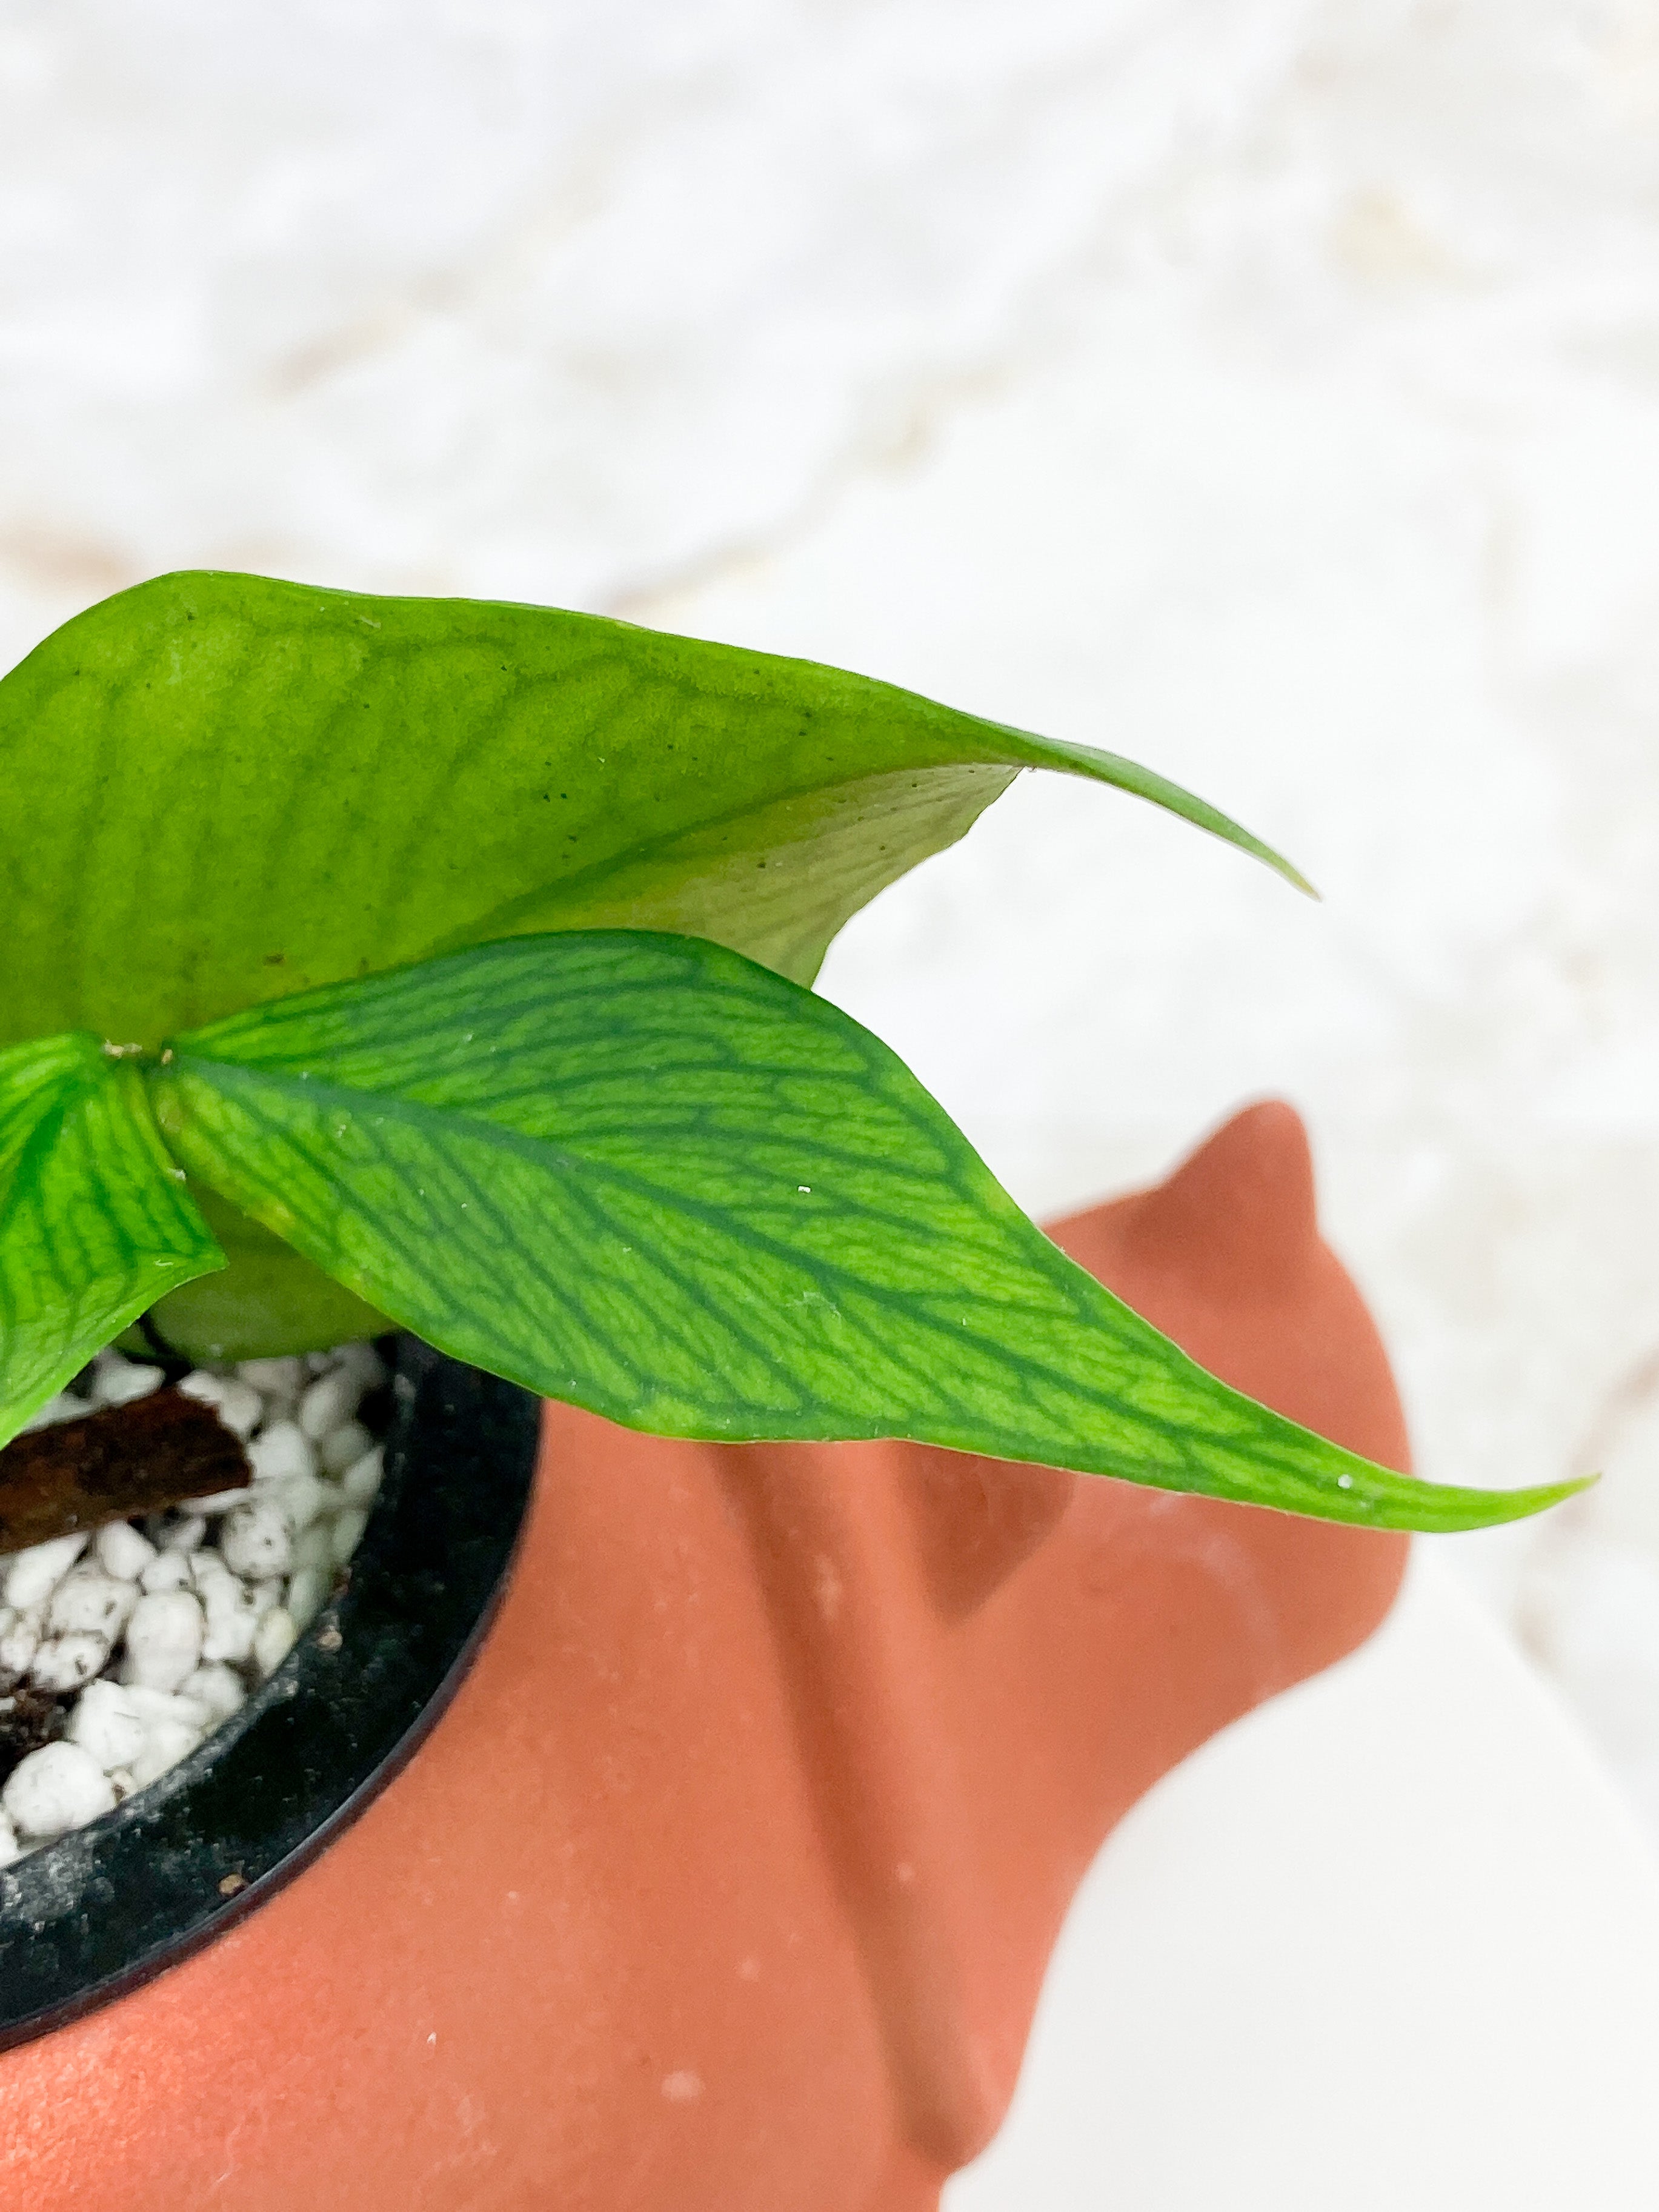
<point>121,1649</point>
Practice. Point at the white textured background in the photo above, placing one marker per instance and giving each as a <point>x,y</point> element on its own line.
<point>1267,388</point>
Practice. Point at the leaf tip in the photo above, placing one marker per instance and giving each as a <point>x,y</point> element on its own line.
<point>1495,1507</point>
<point>1298,882</point>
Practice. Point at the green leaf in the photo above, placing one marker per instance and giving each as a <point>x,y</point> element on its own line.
<point>93,1224</point>
<point>223,789</point>
<point>645,1174</point>
<point>267,1301</point>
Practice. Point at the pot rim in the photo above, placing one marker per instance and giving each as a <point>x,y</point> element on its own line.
<point>88,1918</point>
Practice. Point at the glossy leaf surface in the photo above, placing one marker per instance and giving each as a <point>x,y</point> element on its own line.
<point>647,1175</point>
<point>94,1223</point>
<point>221,789</point>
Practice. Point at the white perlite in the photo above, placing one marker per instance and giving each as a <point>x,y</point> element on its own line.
<point>162,1632</point>
<point>59,1787</point>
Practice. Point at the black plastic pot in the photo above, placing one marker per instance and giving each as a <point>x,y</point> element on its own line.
<point>89,1917</point>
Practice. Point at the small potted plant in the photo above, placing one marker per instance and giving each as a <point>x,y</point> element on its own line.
<point>445,966</point>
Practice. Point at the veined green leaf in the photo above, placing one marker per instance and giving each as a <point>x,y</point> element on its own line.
<point>223,789</point>
<point>645,1174</point>
<point>94,1223</point>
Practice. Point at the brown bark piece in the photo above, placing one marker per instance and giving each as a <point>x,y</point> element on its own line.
<point>157,1452</point>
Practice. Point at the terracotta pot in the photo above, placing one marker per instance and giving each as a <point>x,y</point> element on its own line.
<point>729,1877</point>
